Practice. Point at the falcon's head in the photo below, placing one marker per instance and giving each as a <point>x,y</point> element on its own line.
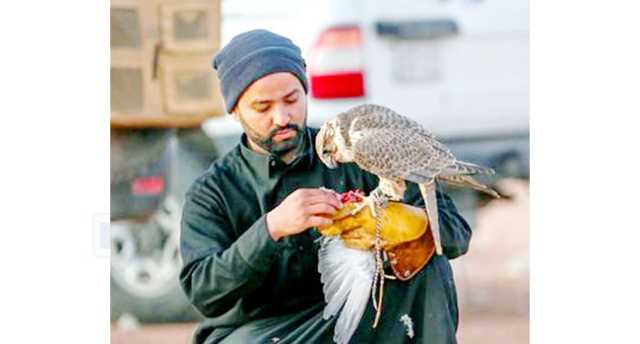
<point>330,144</point>
<point>325,144</point>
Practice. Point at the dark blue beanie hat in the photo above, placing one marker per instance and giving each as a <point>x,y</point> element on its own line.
<point>250,56</point>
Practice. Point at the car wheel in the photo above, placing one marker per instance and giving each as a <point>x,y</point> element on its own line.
<point>145,264</point>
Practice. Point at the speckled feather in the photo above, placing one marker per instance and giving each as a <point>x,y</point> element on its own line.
<point>371,116</point>
<point>393,146</point>
<point>401,153</point>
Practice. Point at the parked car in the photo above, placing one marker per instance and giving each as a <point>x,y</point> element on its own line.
<point>151,169</point>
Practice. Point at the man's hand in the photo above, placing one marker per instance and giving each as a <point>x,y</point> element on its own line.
<point>302,209</point>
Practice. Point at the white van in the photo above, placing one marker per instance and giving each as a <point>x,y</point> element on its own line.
<point>459,67</point>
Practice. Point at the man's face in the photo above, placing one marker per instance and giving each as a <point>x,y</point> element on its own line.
<point>273,113</point>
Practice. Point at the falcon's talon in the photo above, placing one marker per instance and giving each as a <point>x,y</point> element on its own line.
<point>376,199</point>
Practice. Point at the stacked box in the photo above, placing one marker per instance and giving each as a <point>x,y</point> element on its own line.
<point>161,74</point>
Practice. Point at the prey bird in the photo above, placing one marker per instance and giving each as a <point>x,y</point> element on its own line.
<point>396,149</point>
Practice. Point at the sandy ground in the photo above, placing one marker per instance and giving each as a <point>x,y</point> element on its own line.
<point>492,280</point>
<point>493,277</point>
<point>473,329</point>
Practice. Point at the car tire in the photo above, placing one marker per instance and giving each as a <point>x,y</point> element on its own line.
<point>145,266</point>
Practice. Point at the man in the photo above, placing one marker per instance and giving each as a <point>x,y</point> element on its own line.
<point>248,247</point>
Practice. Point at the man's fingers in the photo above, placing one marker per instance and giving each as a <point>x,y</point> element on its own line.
<point>333,192</point>
<point>319,195</point>
<point>320,208</point>
<point>310,192</point>
<point>315,221</point>
<point>324,197</point>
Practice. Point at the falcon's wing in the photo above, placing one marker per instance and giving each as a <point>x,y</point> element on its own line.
<point>400,154</point>
<point>370,116</point>
<point>347,276</point>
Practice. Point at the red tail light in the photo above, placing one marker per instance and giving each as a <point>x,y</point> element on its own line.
<point>147,186</point>
<point>335,64</point>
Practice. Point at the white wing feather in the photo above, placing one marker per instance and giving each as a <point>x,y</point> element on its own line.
<point>347,275</point>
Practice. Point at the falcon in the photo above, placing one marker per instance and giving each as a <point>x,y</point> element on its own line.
<point>397,149</point>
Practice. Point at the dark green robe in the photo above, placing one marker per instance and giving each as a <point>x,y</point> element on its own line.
<point>252,289</point>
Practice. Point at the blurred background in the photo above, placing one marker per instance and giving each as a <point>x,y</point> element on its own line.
<point>459,67</point>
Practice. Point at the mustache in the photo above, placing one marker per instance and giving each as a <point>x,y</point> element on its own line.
<point>292,126</point>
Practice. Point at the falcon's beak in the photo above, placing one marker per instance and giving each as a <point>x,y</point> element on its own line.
<point>331,162</point>
<point>325,155</point>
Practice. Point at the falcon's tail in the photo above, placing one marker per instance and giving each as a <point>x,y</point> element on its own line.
<point>467,168</point>
<point>469,182</point>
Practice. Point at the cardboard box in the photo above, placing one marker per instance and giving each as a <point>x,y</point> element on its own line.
<point>190,86</point>
<point>190,27</point>
<point>161,74</point>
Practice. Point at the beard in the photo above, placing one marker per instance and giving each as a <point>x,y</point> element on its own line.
<point>267,143</point>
